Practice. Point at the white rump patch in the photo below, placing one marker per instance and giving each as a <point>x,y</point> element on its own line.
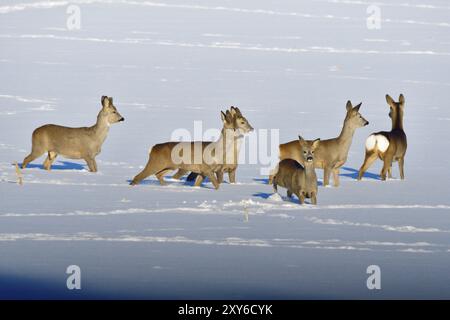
<point>378,141</point>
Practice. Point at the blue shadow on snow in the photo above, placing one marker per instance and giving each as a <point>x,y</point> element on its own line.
<point>63,165</point>
<point>353,173</point>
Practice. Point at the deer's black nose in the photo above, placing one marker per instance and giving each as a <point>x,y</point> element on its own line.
<point>122,119</point>
<point>309,159</point>
<point>367,123</point>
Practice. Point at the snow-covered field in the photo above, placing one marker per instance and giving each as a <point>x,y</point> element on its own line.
<point>290,65</point>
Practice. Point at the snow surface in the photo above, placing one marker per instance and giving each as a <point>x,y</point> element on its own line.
<point>290,65</point>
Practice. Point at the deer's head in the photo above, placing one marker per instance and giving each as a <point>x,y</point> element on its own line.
<point>354,117</point>
<point>308,148</point>
<point>240,123</point>
<point>396,110</point>
<point>109,112</point>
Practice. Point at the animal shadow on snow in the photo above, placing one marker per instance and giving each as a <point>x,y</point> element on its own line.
<point>266,196</point>
<point>170,181</point>
<point>262,180</point>
<point>62,165</point>
<point>353,173</point>
<point>266,181</point>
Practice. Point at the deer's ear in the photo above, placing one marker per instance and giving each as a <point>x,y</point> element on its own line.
<point>229,116</point>
<point>111,100</point>
<point>223,116</point>
<point>389,100</point>
<point>233,111</point>
<point>238,111</point>
<point>357,107</point>
<point>316,143</point>
<point>401,99</point>
<point>105,101</point>
<point>349,106</point>
<point>300,139</point>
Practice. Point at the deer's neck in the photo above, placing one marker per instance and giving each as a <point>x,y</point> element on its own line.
<point>237,147</point>
<point>310,173</point>
<point>397,123</point>
<point>346,136</point>
<point>100,130</point>
<point>225,146</point>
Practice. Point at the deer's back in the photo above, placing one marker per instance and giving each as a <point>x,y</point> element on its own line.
<point>172,155</point>
<point>66,141</point>
<point>327,151</point>
<point>288,174</point>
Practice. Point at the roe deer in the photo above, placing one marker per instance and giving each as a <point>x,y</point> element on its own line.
<point>230,168</point>
<point>297,179</point>
<point>389,146</point>
<point>201,157</point>
<point>74,143</point>
<point>332,153</point>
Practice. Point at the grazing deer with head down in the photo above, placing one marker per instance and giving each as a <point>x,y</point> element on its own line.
<point>230,166</point>
<point>74,143</point>
<point>297,179</point>
<point>389,146</point>
<point>332,153</point>
<point>202,157</point>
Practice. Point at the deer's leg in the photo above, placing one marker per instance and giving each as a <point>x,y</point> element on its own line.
<point>213,179</point>
<point>198,180</point>
<point>150,168</point>
<point>160,176</point>
<point>91,164</point>
<point>313,198</point>
<point>179,174</point>
<point>219,175</point>
<point>232,175</point>
<point>386,165</point>
<point>368,161</point>
<point>401,164</point>
<point>326,175</point>
<point>275,186</point>
<point>35,153</point>
<point>336,177</point>
<point>301,197</point>
<point>49,160</point>
<point>272,174</point>
<point>390,172</point>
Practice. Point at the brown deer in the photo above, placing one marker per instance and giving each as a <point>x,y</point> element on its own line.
<point>297,179</point>
<point>332,153</point>
<point>388,146</point>
<point>231,166</point>
<point>74,143</point>
<point>202,157</point>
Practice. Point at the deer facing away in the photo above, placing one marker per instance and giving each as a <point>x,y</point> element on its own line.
<point>74,143</point>
<point>388,146</point>
<point>202,157</point>
<point>297,179</point>
<point>332,153</point>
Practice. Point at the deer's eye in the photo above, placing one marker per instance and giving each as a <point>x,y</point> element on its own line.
<point>312,152</point>
<point>304,152</point>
